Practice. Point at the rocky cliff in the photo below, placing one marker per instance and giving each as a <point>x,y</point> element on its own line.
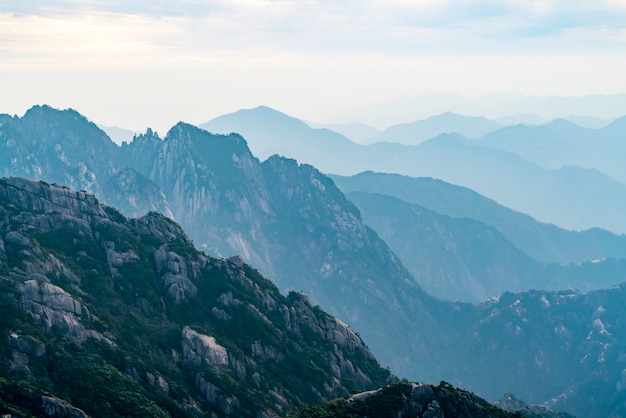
<point>130,310</point>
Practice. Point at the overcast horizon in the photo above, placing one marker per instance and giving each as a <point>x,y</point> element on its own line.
<point>137,64</point>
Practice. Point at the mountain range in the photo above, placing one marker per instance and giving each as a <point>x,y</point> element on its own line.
<point>419,131</point>
<point>544,242</point>
<point>293,224</point>
<point>571,197</point>
<point>515,107</point>
<point>563,143</point>
<point>109,316</point>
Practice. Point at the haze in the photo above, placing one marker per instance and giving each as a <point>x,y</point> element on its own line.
<point>138,64</point>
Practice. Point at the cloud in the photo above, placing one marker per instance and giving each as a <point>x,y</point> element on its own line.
<point>126,33</point>
<point>248,52</point>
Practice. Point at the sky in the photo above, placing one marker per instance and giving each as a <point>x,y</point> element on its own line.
<point>135,64</point>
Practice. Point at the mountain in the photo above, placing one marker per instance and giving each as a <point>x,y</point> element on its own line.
<point>543,242</point>
<point>308,236</point>
<point>564,143</point>
<point>467,260</point>
<point>416,400</point>
<point>588,121</point>
<point>129,309</point>
<point>109,316</point>
<point>493,106</point>
<point>520,118</point>
<point>61,146</point>
<point>559,195</point>
<point>356,132</point>
<point>286,219</point>
<point>294,225</point>
<point>270,132</point>
<point>571,197</point>
<point>416,132</point>
<point>561,349</point>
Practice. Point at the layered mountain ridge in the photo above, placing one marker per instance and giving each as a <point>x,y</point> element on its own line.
<point>551,194</point>
<point>308,236</point>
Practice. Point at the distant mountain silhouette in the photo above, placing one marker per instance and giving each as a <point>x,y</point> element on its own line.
<point>544,242</point>
<point>572,198</point>
<point>468,260</point>
<point>357,132</point>
<point>270,132</point>
<point>588,121</point>
<point>117,134</point>
<point>520,119</point>
<point>415,132</point>
<point>561,142</point>
<point>493,106</point>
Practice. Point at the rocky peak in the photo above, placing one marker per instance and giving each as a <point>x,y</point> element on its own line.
<point>57,146</point>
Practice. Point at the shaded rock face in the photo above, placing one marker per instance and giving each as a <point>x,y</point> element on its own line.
<point>129,309</point>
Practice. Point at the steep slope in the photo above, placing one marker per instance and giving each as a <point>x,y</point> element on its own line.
<point>123,317</point>
<point>58,146</point>
<point>132,193</point>
<point>214,187</point>
<point>323,248</point>
<point>544,242</point>
<point>415,132</point>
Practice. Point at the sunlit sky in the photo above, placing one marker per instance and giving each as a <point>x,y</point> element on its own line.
<point>151,63</point>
